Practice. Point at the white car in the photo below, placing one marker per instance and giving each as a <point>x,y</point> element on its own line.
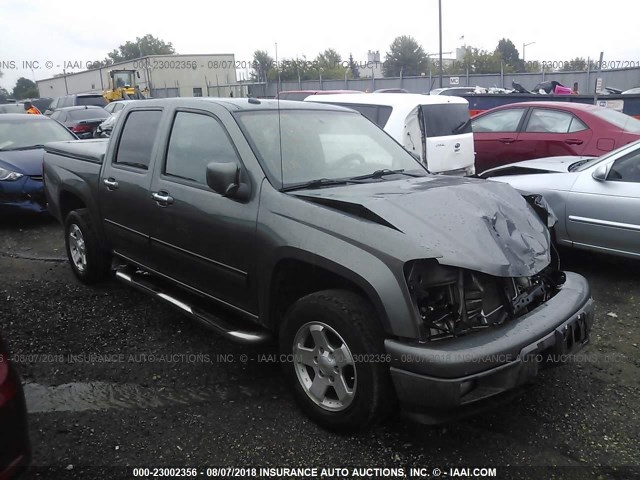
<point>435,128</point>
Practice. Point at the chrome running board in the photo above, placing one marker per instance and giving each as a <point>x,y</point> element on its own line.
<point>146,283</point>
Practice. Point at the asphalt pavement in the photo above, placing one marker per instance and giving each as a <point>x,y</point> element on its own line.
<point>115,380</point>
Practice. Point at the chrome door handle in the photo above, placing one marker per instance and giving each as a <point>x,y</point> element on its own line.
<point>111,183</point>
<point>163,198</point>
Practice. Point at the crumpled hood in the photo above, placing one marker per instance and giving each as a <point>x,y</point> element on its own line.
<point>480,225</point>
<point>27,162</point>
<point>548,164</point>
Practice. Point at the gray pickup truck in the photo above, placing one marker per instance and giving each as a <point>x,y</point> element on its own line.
<point>383,285</point>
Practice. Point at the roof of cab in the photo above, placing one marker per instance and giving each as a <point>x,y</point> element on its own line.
<point>237,104</point>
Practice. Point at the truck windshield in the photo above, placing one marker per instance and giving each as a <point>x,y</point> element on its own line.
<point>447,119</point>
<point>299,146</point>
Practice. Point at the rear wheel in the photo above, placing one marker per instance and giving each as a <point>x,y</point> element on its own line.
<point>89,262</point>
<point>336,361</point>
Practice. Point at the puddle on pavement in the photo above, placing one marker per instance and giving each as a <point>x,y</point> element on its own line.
<point>76,397</point>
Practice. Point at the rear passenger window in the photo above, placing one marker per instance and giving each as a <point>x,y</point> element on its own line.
<point>197,140</point>
<point>553,121</point>
<point>138,136</point>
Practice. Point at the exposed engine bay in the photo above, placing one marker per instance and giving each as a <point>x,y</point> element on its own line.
<point>453,301</point>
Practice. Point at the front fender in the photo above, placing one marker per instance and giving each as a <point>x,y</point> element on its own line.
<point>379,275</point>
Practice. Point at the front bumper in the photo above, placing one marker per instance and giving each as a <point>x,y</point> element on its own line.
<point>23,195</point>
<point>463,371</point>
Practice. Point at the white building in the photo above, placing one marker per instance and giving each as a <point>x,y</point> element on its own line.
<point>162,75</point>
<point>372,67</point>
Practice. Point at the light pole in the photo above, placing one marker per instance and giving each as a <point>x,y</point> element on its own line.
<point>440,35</point>
<point>525,45</point>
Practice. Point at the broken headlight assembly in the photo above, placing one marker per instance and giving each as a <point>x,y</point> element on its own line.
<point>452,302</point>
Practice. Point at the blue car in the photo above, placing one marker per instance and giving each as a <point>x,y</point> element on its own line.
<point>22,138</point>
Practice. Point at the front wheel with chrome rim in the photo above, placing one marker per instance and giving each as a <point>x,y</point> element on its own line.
<point>333,345</point>
<point>88,260</point>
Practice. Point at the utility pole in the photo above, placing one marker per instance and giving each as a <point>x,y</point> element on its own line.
<point>525,45</point>
<point>440,35</point>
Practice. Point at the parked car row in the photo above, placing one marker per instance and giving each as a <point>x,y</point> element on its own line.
<point>438,132</point>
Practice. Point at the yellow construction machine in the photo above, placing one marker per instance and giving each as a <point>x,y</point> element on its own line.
<point>122,86</point>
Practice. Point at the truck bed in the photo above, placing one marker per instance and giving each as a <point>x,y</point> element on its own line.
<point>89,150</point>
<point>72,171</point>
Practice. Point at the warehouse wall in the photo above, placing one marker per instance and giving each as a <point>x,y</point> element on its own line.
<point>167,72</point>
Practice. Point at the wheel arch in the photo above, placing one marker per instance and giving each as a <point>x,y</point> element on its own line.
<point>299,273</point>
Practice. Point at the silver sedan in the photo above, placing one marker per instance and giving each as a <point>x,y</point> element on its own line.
<point>596,200</point>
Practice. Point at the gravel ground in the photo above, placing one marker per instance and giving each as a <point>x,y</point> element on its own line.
<point>116,379</point>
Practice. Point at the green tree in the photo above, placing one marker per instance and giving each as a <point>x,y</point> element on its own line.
<point>578,64</point>
<point>537,67</point>
<point>4,94</point>
<point>510,55</point>
<point>406,57</point>
<point>329,64</point>
<point>294,70</point>
<point>141,47</point>
<point>353,66</point>
<point>262,65</point>
<point>25,88</point>
<point>477,61</point>
<point>101,63</point>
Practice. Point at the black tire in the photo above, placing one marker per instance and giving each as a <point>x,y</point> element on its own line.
<point>97,264</point>
<point>354,320</point>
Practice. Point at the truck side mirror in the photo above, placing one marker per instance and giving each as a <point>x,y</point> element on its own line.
<point>600,173</point>
<point>224,178</point>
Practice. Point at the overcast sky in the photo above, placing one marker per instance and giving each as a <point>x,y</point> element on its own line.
<point>62,30</point>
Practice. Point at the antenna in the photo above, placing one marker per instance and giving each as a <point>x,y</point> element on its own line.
<point>279,122</point>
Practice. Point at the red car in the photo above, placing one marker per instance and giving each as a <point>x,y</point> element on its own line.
<point>528,130</point>
<point>14,439</point>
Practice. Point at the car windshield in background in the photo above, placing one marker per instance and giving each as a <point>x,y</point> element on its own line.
<point>27,132</point>
<point>620,120</point>
<point>97,100</point>
<point>322,145</point>
<point>88,114</point>
<point>447,119</point>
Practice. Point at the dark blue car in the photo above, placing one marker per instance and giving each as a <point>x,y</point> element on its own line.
<point>21,140</point>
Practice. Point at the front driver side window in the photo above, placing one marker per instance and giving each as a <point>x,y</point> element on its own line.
<point>197,140</point>
<point>626,169</point>
<point>500,121</point>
